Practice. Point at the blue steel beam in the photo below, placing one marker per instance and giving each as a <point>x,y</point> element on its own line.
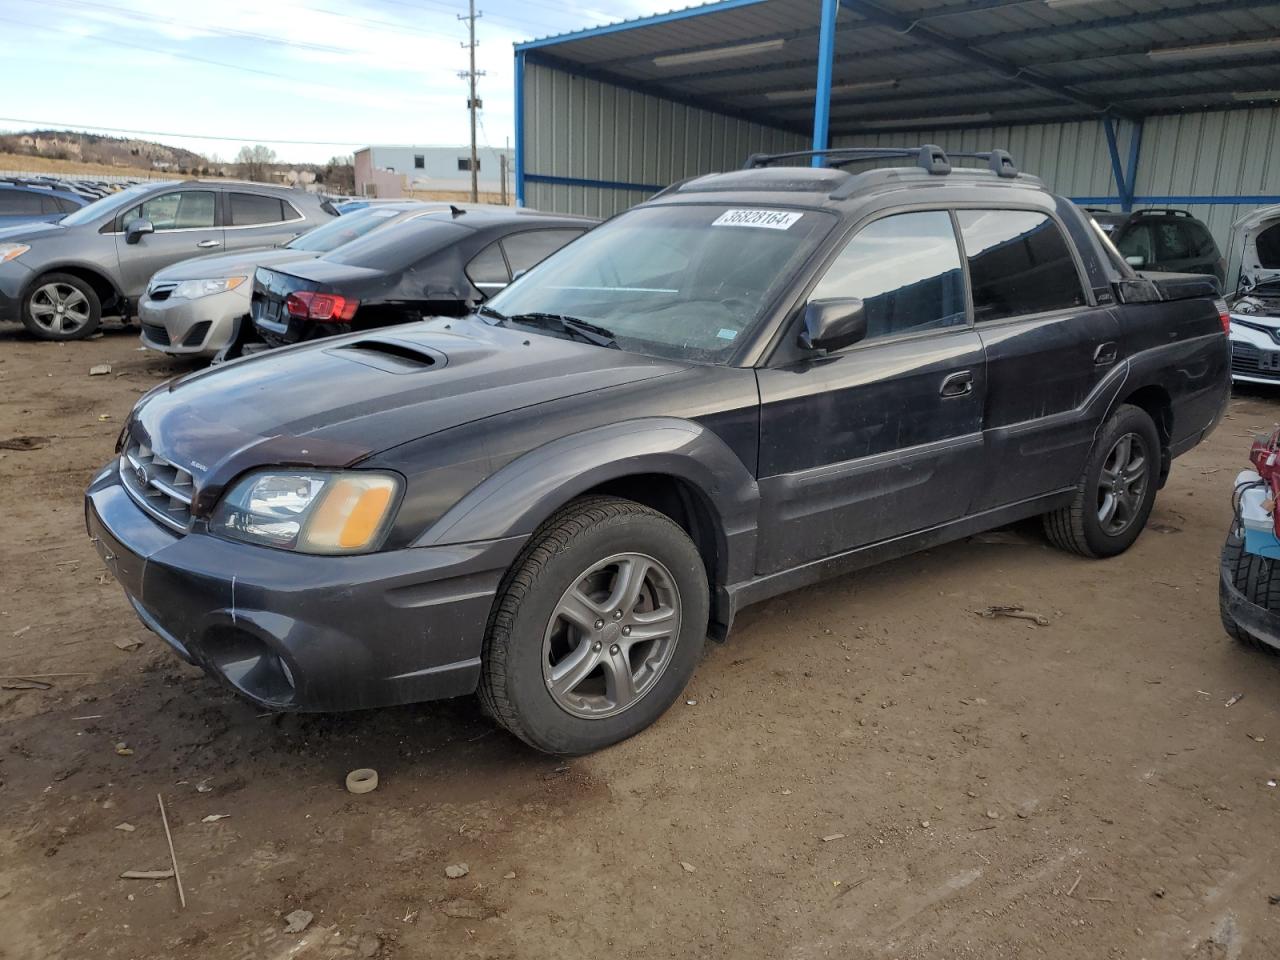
<point>1135,148</point>
<point>1109,127</point>
<point>826,66</point>
<point>519,164</point>
<point>673,16</point>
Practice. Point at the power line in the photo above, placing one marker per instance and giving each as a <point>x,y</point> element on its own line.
<point>73,127</point>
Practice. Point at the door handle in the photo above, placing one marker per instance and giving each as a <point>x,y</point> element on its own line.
<point>1106,354</point>
<point>209,244</point>
<point>958,384</point>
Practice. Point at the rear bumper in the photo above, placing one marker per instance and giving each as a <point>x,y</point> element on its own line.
<point>306,633</point>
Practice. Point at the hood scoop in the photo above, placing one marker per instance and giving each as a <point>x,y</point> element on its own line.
<point>391,356</point>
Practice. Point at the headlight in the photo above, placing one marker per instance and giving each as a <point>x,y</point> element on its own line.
<point>309,512</point>
<point>193,289</point>
<point>11,251</point>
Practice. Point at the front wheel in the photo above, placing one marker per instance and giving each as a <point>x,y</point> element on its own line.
<point>61,306</point>
<point>1116,492</point>
<point>597,628</point>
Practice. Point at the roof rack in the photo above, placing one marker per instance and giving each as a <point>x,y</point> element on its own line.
<point>928,156</point>
<point>1163,211</point>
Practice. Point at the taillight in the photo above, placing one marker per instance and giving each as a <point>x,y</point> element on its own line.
<point>321,307</point>
<point>1224,315</point>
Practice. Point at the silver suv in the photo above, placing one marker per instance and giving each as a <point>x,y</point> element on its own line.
<point>59,278</point>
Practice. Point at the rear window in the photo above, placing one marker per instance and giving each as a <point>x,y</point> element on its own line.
<point>20,202</point>
<point>527,250</point>
<point>1019,264</point>
<point>399,245</point>
<point>343,229</point>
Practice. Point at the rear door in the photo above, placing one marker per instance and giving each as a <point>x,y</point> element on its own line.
<point>186,224</point>
<point>260,220</point>
<point>883,437</point>
<point>1047,350</point>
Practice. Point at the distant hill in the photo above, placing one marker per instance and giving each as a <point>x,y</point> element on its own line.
<point>107,151</point>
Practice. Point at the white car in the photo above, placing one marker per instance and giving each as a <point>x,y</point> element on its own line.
<point>1255,307</point>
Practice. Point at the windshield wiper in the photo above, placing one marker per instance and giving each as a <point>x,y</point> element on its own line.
<point>590,332</point>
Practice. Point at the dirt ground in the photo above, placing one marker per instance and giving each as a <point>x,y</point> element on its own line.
<point>866,770</point>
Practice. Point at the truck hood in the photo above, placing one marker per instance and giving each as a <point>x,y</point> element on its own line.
<point>334,402</point>
<point>240,263</point>
<point>1247,229</point>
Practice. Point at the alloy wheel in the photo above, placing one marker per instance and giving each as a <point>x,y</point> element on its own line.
<point>611,635</point>
<point>59,308</point>
<point>1122,484</point>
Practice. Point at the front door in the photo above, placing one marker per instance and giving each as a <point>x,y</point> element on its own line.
<point>1047,352</point>
<point>883,437</point>
<point>185,224</point>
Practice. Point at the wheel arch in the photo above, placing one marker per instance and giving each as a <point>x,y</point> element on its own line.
<point>674,466</point>
<point>108,293</point>
<point>1156,401</point>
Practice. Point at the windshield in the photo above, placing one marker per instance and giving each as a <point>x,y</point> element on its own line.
<point>107,205</point>
<point>400,244</point>
<point>683,282</point>
<point>342,230</point>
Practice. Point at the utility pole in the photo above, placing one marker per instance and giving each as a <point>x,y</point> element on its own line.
<point>473,104</point>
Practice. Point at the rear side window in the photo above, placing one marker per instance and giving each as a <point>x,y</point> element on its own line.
<point>906,271</point>
<point>488,270</point>
<point>20,202</point>
<point>250,208</point>
<point>1202,244</point>
<point>1019,264</point>
<point>526,250</point>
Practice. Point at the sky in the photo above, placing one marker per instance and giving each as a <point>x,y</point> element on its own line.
<point>347,72</point>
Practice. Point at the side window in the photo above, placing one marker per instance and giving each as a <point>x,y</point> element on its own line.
<point>1138,241</point>
<point>488,270</point>
<point>183,210</point>
<point>906,271</point>
<point>21,202</point>
<point>1019,263</point>
<point>250,208</point>
<point>525,250</point>
<point>1173,242</point>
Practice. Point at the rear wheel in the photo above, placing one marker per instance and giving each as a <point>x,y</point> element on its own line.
<point>1116,492</point>
<point>61,307</point>
<point>597,628</point>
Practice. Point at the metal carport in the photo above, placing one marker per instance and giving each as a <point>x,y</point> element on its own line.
<point>1113,102</point>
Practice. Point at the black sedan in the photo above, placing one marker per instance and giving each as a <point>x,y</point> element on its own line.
<point>442,263</point>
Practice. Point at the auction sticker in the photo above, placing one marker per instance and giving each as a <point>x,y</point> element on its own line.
<point>768,219</point>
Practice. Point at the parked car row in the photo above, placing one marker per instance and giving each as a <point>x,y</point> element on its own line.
<point>210,267</point>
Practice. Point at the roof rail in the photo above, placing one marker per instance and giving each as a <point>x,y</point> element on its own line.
<point>999,162</point>
<point>928,156</point>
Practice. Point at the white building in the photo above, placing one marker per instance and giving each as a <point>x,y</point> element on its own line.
<point>392,171</point>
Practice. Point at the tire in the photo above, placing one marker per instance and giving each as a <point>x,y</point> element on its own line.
<point>60,306</point>
<point>554,676</point>
<point>1258,579</point>
<point>1079,527</point>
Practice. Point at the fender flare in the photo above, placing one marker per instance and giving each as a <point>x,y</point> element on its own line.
<point>517,498</point>
<point>72,266</point>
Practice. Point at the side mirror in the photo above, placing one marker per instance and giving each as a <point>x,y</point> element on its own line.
<point>833,324</point>
<point>1137,260</point>
<point>135,230</point>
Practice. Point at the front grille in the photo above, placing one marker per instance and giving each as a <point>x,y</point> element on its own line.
<point>161,488</point>
<point>195,337</point>
<point>161,291</point>
<point>1249,361</point>
<point>156,334</point>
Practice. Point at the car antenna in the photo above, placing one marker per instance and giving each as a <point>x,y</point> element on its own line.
<point>456,211</point>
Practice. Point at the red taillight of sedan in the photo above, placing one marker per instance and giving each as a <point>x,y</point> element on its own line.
<point>321,307</point>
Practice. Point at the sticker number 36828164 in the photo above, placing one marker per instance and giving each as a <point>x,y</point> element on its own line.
<point>768,219</point>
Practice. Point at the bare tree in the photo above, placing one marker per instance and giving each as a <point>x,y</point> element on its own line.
<point>253,162</point>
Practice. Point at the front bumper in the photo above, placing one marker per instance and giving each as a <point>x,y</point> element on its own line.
<point>308,633</point>
<point>192,328</point>
<point>14,278</point>
<point>1255,355</point>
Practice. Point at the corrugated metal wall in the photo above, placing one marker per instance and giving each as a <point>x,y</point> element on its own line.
<point>582,129</point>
